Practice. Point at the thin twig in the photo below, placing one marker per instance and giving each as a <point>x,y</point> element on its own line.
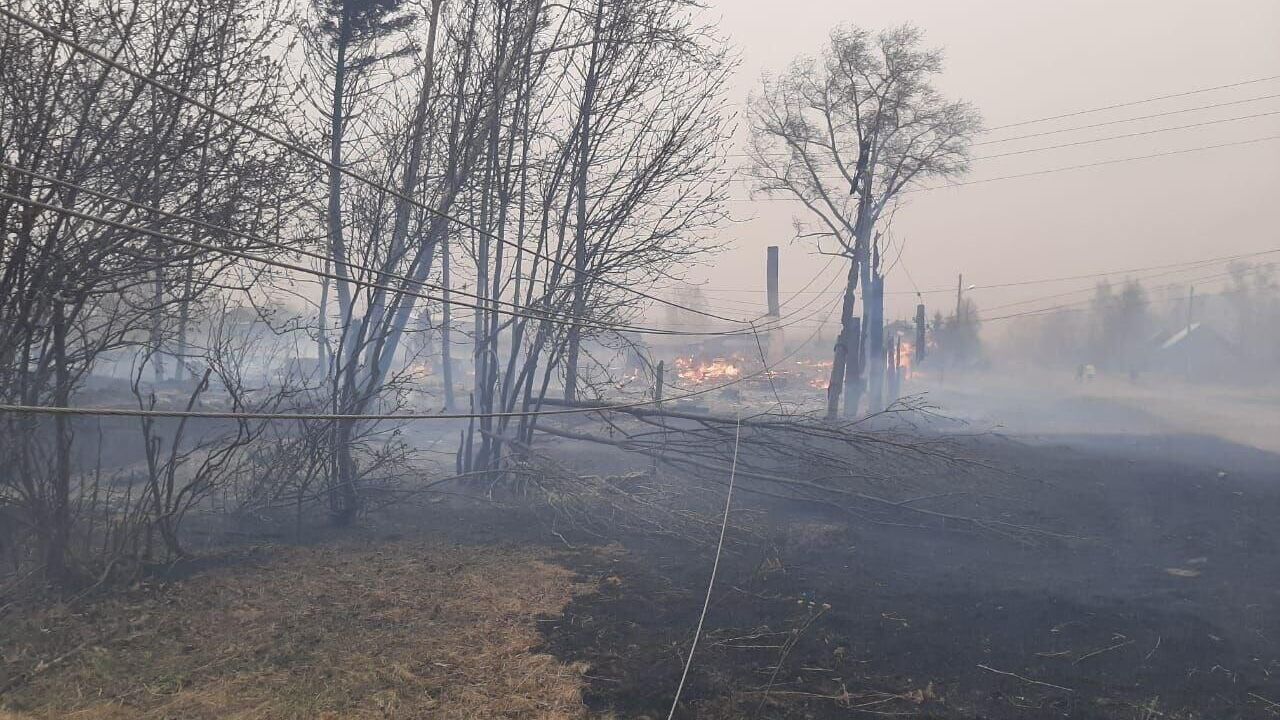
<point>1025,679</point>
<point>1103,650</point>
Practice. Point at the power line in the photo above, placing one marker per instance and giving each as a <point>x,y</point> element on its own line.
<point>1082,304</point>
<point>1097,164</point>
<point>1203,261</point>
<point>1132,103</point>
<point>1049,171</point>
<point>816,296</point>
<point>1076,128</point>
<point>1126,120</point>
<point>1087,276</point>
<point>230,231</point>
<point>267,135</point>
<point>1090,141</point>
<point>529,314</point>
<point>286,247</point>
<point>1077,291</point>
<point>791,297</point>
<point>1128,135</point>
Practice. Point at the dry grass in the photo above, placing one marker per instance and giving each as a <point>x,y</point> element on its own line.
<point>400,630</point>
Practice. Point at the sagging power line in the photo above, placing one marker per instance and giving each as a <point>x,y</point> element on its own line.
<point>523,312</point>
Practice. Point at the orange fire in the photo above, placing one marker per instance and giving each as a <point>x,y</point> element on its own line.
<point>693,371</point>
<point>905,357</point>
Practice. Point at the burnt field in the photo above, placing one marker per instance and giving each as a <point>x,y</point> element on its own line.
<point>1163,604</point>
<point>1086,577</point>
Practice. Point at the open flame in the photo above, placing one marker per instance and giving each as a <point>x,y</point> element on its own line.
<point>696,372</point>
<point>906,355</point>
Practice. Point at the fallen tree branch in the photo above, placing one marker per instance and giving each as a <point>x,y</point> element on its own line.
<point>666,456</point>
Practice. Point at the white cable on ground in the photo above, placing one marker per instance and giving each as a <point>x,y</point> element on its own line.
<point>728,499</point>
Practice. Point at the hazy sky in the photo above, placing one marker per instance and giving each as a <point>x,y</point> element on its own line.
<point>1018,60</point>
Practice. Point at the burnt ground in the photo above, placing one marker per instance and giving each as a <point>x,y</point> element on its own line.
<point>1156,595</point>
<point>1168,604</point>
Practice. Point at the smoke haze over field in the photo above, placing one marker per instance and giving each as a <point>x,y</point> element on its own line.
<point>430,368</point>
<point>1018,61</point>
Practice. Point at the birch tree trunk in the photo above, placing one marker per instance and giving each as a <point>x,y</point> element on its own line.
<point>579,305</point>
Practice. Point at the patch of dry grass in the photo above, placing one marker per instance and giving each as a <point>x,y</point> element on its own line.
<point>399,630</point>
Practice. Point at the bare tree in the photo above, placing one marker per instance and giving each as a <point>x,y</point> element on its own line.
<point>617,195</point>
<point>846,135</point>
<point>349,41</point>
<point>99,167</point>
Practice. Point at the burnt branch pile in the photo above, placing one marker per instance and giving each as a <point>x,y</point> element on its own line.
<point>885,468</point>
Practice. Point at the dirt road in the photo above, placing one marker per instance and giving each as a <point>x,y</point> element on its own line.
<point>1041,404</point>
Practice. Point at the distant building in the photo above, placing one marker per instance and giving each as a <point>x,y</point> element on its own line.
<point>1196,351</point>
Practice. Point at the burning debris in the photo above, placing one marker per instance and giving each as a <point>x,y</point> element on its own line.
<point>726,368</point>
<point>720,369</point>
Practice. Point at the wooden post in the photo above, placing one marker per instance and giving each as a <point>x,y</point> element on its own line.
<point>657,400</point>
<point>920,334</point>
<point>657,385</point>
<point>771,280</point>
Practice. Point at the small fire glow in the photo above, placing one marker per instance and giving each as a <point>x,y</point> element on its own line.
<point>694,371</point>
<point>906,354</point>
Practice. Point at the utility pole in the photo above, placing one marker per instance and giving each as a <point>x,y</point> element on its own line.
<point>959,295</point>
<point>657,404</point>
<point>771,280</point>
<point>657,385</point>
<point>920,334</point>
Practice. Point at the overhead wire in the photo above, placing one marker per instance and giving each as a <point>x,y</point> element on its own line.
<point>1091,141</point>
<point>1092,288</point>
<point>528,314</point>
<point>1062,278</point>
<point>310,155</point>
<point>1077,128</point>
<point>1131,103</point>
<point>434,211</point>
<point>1049,171</point>
<point>1139,133</point>
<point>1082,304</point>
<point>791,296</point>
<point>84,50</point>
<point>1116,161</point>
<point>212,227</point>
<point>1127,120</point>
